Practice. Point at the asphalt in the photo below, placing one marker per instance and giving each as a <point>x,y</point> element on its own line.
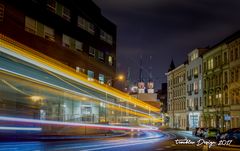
<point>142,141</point>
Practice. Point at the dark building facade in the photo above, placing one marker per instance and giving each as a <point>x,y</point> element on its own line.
<point>72,32</point>
<point>162,96</point>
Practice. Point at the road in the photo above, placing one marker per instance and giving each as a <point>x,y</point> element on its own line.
<point>145,141</point>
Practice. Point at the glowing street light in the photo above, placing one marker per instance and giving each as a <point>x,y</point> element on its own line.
<point>36,98</point>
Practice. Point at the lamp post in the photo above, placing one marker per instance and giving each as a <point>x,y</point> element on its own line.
<point>118,78</point>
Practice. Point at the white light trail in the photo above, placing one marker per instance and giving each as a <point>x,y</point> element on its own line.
<point>36,121</point>
<point>20,128</point>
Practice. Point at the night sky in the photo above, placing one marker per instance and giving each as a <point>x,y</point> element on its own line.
<point>166,29</point>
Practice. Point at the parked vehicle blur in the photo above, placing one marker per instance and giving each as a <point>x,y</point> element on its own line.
<point>200,131</point>
<point>210,132</point>
<point>223,135</point>
<point>194,132</point>
<point>234,136</point>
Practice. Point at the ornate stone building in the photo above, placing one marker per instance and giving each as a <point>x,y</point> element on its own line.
<point>234,80</point>
<point>194,84</point>
<point>177,97</point>
<point>221,84</point>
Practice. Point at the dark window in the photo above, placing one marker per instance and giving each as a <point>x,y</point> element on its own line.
<point>1,12</point>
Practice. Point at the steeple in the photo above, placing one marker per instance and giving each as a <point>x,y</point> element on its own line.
<point>150,70</point>
<point>172,66</point>
<point>141,85</point>
<point>150,83</point>
<point>140,71</point>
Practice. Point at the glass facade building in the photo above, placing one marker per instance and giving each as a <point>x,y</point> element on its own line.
<point>36,87</point>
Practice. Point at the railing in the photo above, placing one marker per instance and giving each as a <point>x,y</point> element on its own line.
<point>195,76</point>
<point>189,93</point>
<point>189,78</point>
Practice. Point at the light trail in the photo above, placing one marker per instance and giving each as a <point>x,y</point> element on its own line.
<point>36,121</point>
<point>21,128</point>
<point>144,114</point>
<point>18,50</point>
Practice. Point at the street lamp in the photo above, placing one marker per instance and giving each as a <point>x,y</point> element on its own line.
<point>118,78</point>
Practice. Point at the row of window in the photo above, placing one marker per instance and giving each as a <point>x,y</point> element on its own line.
<point>46,32</point>
<point>106,37</point>
<point>181,105</point>
<point>216,61</point>
<point>218,100</point>
<point>235,53</point>
<point>177,80</point>
<point>96,53</point>
<point>194,103</point>
<point>235,75</point>
<point>193,56</point>
<point>101,77</point>
<point>84,24</point>
<point>59,9</point>
<point>217,79</point>
<point>71,43</point>
<point>39,29</point>
<point>213,81</point>
<point>194,71</point>
<point>179,92</point>
<point>235,97</point>
<point>195,86</point>
<point>1,12</point>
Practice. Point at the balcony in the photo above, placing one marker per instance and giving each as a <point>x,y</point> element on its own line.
<point>195,76</point>
<point>196,107</point>
<point>189,93</point>
<point>195,91</point>
<point>189,108</point>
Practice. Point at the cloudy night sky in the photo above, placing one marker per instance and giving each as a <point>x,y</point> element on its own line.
<point>166,29</point>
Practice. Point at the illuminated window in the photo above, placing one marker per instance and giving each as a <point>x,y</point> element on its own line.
<point>30,25</point>
<point>90,75</point>
<point>78,45</point>
<point>49,33</point>
<point>195,71</point>
<point>101,55</point>
<point>210,63</point>
<point>210,100</point>
<point>110,60</point>
<point>101,78</point>
<point>200,84</point>
<point>66,41</point>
